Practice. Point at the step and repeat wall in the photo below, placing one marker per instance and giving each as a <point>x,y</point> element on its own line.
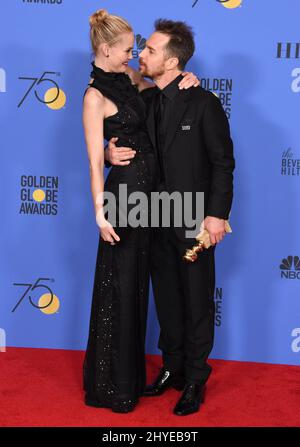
<point>248,53</point>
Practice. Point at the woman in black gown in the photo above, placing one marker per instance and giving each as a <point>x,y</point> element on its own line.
<point>114,373</point>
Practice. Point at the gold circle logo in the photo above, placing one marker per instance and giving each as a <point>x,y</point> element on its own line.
<point>59,102</point>
<point>231,4</point>
<point>53,306</point>
<point>38,195</point>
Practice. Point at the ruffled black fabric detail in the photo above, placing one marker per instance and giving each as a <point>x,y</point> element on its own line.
<point>110,81</point>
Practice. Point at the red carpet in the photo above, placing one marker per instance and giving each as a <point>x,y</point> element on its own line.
<point>42,387</point>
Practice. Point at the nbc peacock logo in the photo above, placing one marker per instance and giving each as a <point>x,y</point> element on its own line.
<point>140,43</point>
<point>229,4</point>
<point>290,267</point>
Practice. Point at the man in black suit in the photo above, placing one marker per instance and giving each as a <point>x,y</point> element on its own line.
<point>190,132</point>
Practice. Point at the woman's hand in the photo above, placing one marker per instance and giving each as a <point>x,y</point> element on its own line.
<point>107,231</point>
<point>189,80</point>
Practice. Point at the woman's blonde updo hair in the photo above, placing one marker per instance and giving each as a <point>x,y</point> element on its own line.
<point>106,28</point>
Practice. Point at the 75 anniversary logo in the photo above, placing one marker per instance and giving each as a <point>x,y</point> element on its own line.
<point>54,97</point>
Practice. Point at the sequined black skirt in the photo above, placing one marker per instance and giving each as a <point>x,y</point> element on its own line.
<point>114,371</point>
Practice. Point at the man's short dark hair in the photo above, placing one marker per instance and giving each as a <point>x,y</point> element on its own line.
<point>181,43</point>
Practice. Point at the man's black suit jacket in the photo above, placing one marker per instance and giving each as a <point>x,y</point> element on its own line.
<point>198,150</point>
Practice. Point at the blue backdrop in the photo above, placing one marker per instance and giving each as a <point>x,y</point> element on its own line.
<point>248,53</point>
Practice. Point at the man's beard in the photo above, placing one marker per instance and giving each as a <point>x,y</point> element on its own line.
<point>152,74</point>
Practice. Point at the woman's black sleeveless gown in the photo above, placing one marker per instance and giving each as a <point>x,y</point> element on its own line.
<point>114,373</point>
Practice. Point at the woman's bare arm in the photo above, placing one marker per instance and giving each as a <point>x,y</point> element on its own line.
<point>93,116</point>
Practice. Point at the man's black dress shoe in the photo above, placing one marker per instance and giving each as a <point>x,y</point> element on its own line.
<point>166,379</point>
<point>190,400</point>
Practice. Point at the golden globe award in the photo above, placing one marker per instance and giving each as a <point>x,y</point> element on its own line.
<point>203,242</point>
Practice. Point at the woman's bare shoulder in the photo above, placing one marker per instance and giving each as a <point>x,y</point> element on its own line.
<point>93,96</point>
